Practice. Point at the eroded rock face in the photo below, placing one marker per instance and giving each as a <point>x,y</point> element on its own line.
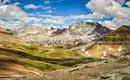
<point>77,33</point>
<point>111,45</point>
<point>87,28</point>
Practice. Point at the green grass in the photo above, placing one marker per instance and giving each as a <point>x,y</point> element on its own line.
<point>53,58</point>
<point>43,52</point>
<point>35,64</point>
<point>42,58</point>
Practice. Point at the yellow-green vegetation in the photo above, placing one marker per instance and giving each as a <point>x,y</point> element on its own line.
<point>41,52</point>
<point>53,58</point>
<point>13,51</point>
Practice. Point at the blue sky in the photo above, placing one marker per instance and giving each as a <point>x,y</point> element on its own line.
<point>62,13</point>
<point>62,8</point>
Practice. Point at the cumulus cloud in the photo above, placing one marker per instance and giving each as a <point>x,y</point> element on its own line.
<point>128,3</point>
<point>31,6</point>
<point>11,25</point>
<point>4,1</point>
<point>16,3</point>
<point>109,24</point>
<point>11,12</point>
<point>41,20</point>
<point>113,8</point>
<point>120,1</point>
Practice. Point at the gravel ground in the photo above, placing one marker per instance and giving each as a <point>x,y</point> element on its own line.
<point>116,69</point>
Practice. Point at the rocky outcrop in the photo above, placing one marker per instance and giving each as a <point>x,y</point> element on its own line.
<point>76,34</point>
<point>111,45</point>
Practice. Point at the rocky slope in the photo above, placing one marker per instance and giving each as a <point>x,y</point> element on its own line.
<point>115,69</point>
<point>76,34</point>
<point>18,59</point>
<point>110,45</point>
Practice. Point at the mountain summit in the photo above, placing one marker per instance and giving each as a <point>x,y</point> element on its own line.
<point>76,34</point>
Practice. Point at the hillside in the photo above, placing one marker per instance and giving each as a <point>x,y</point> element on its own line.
<point>19,59</point>
<point>114,69</point>
<point>76,34</point>
<point>110,45</point>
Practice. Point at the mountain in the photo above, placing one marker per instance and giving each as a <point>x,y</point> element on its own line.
<point>18,59</point>
<point>111,45</point>
<point>77,34</point>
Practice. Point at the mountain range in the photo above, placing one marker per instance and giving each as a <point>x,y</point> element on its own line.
<point>85,50</point>
<point>76,34</point>
<point>18,59</point>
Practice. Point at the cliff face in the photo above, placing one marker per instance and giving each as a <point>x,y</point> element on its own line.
<point>110,45</point>
<point>77,33</point>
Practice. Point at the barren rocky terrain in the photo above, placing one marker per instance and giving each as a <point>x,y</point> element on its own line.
<point>115,69</point>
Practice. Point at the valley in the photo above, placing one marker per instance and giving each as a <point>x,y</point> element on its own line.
<point>101,58</point>
<point>19,59</point>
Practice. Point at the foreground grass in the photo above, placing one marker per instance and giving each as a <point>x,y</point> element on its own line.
<point>43,52</point>
<point>13,51</point>
<point>42,58</point>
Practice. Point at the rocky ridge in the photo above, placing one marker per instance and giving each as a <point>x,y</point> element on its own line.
<point>76,34</point>
<point>111,45</point>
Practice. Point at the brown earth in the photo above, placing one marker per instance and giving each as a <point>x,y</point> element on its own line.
<point>115,69</point>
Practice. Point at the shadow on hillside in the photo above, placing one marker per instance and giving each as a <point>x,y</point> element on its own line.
<point>7,33</point>
<point>62,62</point>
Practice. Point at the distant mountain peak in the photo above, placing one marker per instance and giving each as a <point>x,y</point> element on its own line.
<point>77,33</point>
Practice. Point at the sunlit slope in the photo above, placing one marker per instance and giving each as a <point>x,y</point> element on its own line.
<point>111,45</point>
<point>17,58</point>
<point>7,36</point>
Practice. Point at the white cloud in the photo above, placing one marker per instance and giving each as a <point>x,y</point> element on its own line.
<point>120,1</point>
<point>109,24</point>
<point>49,11</point>
<point>5,1</point>
<point>2,23</point>
<point>71,17</point>
<point>46,7</point>
<point>47,2</point>
<point>11,25</point>
<point>31,6</point>
<point>101,8</point>
<point>90,20</point>
<point>128,3</point>
<point>11,12</point>
<point>16,3</point>
<point>42,20</point>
